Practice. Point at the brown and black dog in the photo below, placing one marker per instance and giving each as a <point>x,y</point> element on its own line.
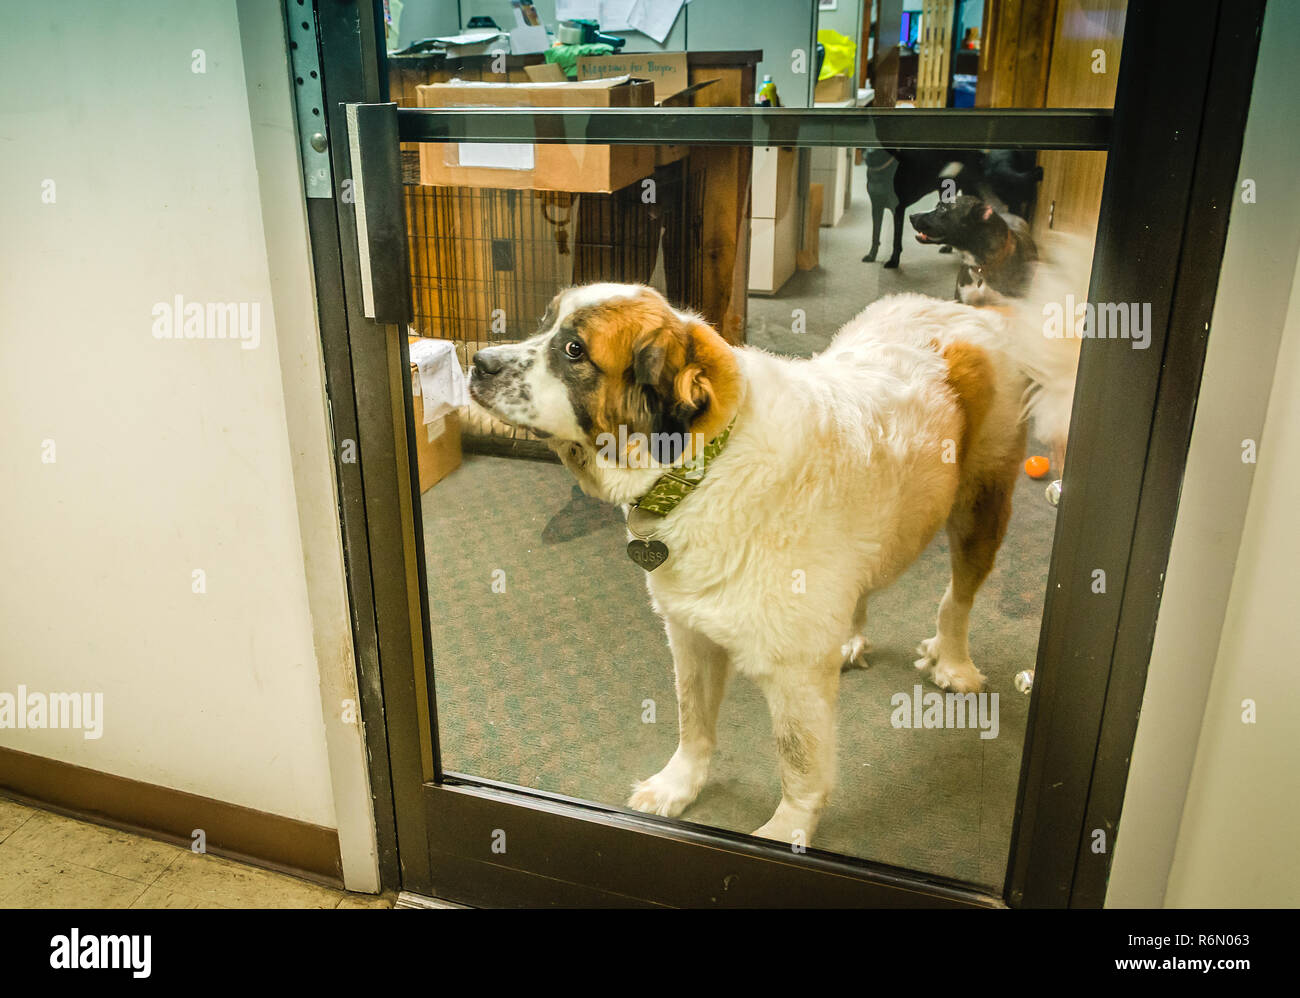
<point>996,249</point>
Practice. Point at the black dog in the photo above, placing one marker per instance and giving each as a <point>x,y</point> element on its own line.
<point>898,178</point>
<point>1008,180</point>
<point>997,251</point>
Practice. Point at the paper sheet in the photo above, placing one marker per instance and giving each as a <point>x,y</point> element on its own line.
<point>440,383</point>
<point>498,155</point>
<point>475,37</point>
<point>529,40</point>
<point>654,17</point>
<point>614,15</point>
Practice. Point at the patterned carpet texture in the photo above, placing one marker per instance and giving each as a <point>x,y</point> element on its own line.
<point>546,684</point>
<point>553,672</point>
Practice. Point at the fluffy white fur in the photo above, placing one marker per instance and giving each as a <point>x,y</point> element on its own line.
<point>1063,269</point>
<point>838,472</point>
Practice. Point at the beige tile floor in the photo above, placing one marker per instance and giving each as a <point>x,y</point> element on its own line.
<point>48,861</point>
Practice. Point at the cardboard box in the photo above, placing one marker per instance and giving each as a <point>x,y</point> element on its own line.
<point>666,70</point>
<point>524,166</point>
<point>833,88</point>
<point>832,167</point>
<point>682,98</point>
<point>437,444</point>
<point>545,72</point>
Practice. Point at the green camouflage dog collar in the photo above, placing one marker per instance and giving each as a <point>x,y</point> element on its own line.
<point>664,496</point>
<point>677,483</point>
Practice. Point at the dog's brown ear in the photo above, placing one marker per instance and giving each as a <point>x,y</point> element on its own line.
<point>648,360</point>
<point>692,393</point>
<point>682,386</point>
<point>650,403</point>
<point>638,400</point>
<point>706,389</point>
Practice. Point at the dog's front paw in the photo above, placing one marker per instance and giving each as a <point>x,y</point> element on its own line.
<point>948,674</point>
<point>855,652</point>
<point>959,677</point>
<point>790,825</point>
<point>870,257</point>
<point>670,791</point>
<point>954,675</point>
<point>891,263</point>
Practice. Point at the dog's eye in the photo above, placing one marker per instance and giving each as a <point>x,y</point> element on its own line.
<point>573,350</point>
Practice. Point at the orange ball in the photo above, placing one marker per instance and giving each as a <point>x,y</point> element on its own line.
<point>1037,466</point>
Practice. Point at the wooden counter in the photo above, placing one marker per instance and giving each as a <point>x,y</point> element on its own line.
<point>719,176</point>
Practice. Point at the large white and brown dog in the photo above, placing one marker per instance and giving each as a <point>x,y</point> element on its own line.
<point>836,473</point>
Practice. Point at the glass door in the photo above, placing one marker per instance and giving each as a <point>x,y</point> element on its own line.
<point>758,505</point>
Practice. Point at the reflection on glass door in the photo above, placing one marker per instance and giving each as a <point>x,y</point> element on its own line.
<point>848,665</point>
<point>552,667</point>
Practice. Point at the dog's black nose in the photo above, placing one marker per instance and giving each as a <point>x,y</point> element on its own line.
<point>485,364</point>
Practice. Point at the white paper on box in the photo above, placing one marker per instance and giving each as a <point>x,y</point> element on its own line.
<point>475,37</point>
<point>654,17</point>
<point>475,42</point>
<point>529,40</point>
<point>439,381</point>
<point>498,155</point>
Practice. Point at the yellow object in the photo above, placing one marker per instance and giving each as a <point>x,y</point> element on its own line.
<point>840,53</point>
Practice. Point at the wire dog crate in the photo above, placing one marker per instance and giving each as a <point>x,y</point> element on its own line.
<point>486,262</point>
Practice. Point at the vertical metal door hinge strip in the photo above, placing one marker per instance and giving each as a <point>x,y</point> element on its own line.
<point>309,103</point>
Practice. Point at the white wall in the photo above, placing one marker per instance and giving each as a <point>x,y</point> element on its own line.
<point>1236,842</point>
<point>312,447</point>
<point>778,30</point>
<point>424,11</point>
<point>1201,658</point>
<point>428,19</point>
<point>171,455</point>
<point>846,18</point>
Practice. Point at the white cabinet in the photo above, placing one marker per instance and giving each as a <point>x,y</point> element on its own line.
<point>774,225</point>
<point>833,169</point>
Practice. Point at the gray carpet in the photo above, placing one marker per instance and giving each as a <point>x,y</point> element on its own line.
<point>843,285</point>
<point>546,684</point>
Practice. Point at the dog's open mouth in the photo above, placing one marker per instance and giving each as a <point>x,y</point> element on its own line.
<point>921,237</point>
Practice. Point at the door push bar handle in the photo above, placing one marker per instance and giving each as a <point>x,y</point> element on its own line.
<point>380,211</point>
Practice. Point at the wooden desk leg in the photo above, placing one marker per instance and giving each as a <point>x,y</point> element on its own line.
<point>725,236</point>
<point>727,175</point>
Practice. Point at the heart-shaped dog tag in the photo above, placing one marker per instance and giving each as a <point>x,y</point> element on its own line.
<point>648,554</point>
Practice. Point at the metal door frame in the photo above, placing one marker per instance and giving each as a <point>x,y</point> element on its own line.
<point>1174,141</point>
